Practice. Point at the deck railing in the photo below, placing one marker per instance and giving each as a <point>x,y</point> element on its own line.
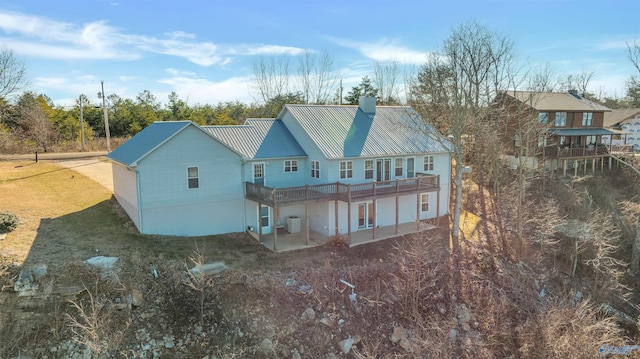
<point>341,191</point>
<point>566,152</point>
<point>616,149</point>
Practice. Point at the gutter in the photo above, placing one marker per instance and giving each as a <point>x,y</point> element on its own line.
<point>138,190</point>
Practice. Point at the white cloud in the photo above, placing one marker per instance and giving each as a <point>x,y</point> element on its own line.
<point>612,45</point>
<point>199,90</point>
<point>273,50</point>
<point>46,38</point>
<point>385,50</point>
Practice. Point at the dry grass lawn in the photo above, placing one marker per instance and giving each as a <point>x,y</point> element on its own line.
<point>68,217</point>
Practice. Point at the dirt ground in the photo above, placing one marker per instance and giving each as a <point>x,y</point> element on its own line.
<point>411,297</point>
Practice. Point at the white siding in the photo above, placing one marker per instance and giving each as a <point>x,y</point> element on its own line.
<point>169,207</point>
<point>126,190</point>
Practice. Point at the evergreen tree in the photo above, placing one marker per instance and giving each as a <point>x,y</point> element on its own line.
<point>365,88</point>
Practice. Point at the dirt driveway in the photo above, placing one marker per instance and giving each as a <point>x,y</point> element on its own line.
<point>98,169</point>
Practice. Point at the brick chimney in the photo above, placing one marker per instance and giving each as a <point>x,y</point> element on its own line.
<point>367,104</point>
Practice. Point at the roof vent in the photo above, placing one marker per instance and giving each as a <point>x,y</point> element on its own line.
<point>367,104</point>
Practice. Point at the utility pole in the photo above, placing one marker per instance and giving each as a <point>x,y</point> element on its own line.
<point>81,122</point>
<point>106,117</point>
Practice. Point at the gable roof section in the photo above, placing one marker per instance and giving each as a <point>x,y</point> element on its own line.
<point>145,141</point>
<point>555,101</point>
<point>346,131</point>
<point>616,116</point>
<point>258,138</point>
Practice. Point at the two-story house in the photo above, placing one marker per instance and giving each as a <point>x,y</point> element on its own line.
<point>569,127</point>
<point>316,170</point>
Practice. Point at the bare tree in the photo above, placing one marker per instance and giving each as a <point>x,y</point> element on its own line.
<point>633,53</point>
<point>578,82</point>
<point>386,78</point>
<point>453,90</point>
<point>633,84</point>
<point>318,78</point>
<point>542,79</point>
<point>12,73</point>
<point>271,77</point>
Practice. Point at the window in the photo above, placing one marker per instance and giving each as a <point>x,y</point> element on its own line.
<point>424,202</point>
<point>543,118</point>
<point>428,163</point>
<point>368,169</point>
<point>264,216</point>
<point>346,169</point>
<point>399,168</point>
<point>315,169</point>
<point>291,166</point>
<point>192,177</point>
<point>587,119</point>
<point>591,140</point>
<point>561,119</point>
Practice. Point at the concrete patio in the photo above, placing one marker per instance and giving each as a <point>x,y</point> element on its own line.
<point>294,241</point>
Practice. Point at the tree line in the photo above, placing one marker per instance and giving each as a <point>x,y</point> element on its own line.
<point>32,121</point>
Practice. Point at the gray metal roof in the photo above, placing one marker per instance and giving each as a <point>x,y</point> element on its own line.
<point>146,141</point>
<point>555,101</point>
<point>259,138</point>
<point>346,131</point>
<point>581,131</point>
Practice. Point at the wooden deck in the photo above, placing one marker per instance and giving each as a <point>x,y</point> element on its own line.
<point>586,152</point>
<point>342,192</point>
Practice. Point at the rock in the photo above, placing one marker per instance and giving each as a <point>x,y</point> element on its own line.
<point>265,347</point>
<point>328,322</point>
<point>169,342</point>
<point>463,313</point>
<point>407,345</point>
<point>104,264</point>
<point>209,269</point>
<point>309,314</point>
<point>25,283</point>
<point>466,327</point>
<point>356,339</point>
<point>441,308</point>
<point>39,271</point>
<point>346,345</point>
<point>136,298</point>
<point>340,322</point>
<point>295,354</point>
<point>467,342</point>
<point>197,329</point>
<point>399,333</point>
<point>453,334</point>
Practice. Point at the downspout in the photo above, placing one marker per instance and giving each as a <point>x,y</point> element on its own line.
<point>243,162</point>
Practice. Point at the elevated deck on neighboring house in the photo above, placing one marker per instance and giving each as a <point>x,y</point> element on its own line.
<point>586,152</point>
<point>341,192</point>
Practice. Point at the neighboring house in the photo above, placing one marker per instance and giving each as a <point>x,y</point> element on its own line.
<point>329,169</point>
<point>626,121</point>
<point>570,128</point>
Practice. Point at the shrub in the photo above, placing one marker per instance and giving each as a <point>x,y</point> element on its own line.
<point>8,222</point>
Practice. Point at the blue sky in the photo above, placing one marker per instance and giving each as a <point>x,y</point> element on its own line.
<point>204,50</point>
